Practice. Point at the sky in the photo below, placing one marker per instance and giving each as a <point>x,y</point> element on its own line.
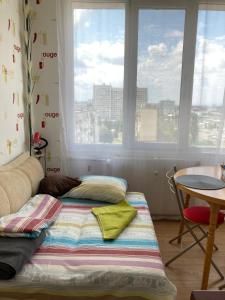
<point>99,53</point>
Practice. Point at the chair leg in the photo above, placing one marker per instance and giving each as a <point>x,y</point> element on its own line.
<point>181,229</point>
<point>205,232</point>
<point>203,249</point>
<point>222,287</point>
<point>202,230</point>
<point>197,241</point>
<point>186,231</point>
<point>183,251</point>
<point>183,233</point>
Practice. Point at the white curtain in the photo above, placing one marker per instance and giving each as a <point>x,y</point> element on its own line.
<point>139,97</point>
<point>64,11</point>
<point>209,80</point>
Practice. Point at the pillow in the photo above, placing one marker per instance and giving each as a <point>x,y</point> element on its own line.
<point>57,185</point>
<point>100,188</point>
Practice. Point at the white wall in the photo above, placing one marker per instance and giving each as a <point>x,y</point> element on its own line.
<point>45,65</point>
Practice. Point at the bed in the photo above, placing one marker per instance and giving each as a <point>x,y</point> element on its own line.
<point>74,262</point>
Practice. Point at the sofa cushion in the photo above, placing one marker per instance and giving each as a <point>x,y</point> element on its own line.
<point>19,180</point>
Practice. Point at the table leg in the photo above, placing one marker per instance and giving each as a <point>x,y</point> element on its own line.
<point>210,242</point>
<point>181,229</point>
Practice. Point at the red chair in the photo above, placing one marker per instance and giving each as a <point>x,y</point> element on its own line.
<point>191,218</point>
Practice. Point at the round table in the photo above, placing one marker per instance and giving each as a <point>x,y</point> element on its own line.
<point>216,200</point>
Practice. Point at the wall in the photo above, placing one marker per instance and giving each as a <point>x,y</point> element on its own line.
<point>45,64</point>
<point>12,136</point>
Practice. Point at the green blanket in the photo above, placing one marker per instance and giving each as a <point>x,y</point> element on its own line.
<point>113,219</point>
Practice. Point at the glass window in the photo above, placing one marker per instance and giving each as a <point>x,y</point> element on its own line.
<point>207,113</point>
<point>99,55</point>
<point>160,48</point>
<point>99,75</point>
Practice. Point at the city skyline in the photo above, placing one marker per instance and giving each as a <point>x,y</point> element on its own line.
<point>148,102</point>
<point>101,119</point>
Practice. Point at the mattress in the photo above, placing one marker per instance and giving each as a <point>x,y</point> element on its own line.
<point>74,261</point>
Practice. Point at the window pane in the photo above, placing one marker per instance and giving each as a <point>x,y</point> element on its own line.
<point>98,75</point>
<point>160,48</point>
<point>207,114</point>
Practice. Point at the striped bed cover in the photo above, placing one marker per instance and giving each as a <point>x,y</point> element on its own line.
<point>74,262</point>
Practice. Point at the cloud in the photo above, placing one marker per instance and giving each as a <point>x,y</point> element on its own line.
<point>220,38</point>
<point>99,63</point>
<point>209,79</point>
<point>78,15</point>
<point>211,54</point>
<point>174,34</point>
<point>160,71</point>
<point>95,52</point>
<point>100,74</point>
<point>87,24</point>
<point>159,49</point>
<point>151,28</point>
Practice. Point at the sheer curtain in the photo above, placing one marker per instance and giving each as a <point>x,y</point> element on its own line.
<point>64,10</point>
<point>208,100</point>
<point>141,89</point>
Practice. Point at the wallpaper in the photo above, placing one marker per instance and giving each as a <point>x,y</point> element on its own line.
<point>45,65</point>
<point>12,136</point>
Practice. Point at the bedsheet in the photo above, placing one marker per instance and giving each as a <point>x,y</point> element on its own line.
<point>75,261</point>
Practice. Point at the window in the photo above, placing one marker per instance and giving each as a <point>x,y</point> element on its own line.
<point>149,75</point>
<point>160,47</point>
<point>99,73</point>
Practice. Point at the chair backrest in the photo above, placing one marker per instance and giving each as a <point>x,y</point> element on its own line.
<point>177,194</point>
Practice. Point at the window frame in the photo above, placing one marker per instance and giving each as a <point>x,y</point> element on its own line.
<point>129,144</point>
<point>152,4</point>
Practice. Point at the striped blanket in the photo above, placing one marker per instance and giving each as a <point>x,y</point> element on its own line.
<point>37,214</point>
<point>75,261</point>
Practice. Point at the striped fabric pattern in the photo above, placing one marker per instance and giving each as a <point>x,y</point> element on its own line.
<point>75,261</point>
<point>37,214</point>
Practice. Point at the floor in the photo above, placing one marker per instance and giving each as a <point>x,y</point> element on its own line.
<point>186,271</point>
